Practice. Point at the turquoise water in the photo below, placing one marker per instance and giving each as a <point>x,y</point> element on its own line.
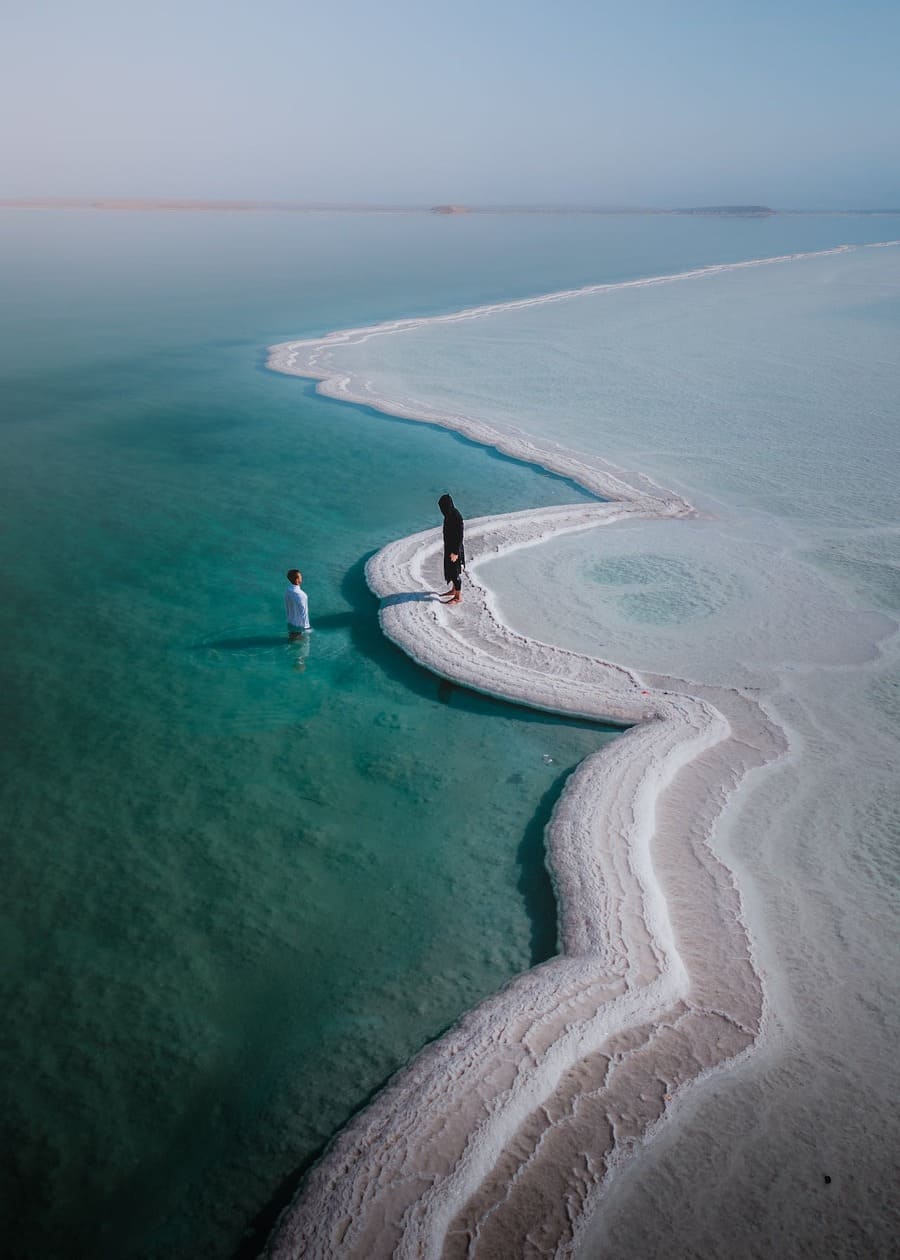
<point>243,884</point>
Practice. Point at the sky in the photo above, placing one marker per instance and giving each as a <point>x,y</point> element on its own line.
<point>488,102</point>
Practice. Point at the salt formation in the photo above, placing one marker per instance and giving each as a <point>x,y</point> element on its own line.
<point>499,1137</point>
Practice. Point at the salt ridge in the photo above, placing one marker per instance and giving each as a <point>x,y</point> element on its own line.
<point>312,358</point>
<point>282,356</point>
<point>595,1024</point>
<point>511,1125</point>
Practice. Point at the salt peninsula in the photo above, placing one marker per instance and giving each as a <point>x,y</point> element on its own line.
<point>506,1131</point>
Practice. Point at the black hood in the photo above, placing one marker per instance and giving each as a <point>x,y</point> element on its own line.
<point>445,503</point>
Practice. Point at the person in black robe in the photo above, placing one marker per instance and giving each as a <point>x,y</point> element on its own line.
<point>454,550</point>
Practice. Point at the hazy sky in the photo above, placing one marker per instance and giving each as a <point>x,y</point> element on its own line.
<point>794,103</point>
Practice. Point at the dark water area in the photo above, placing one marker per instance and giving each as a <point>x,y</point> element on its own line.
<point>244,881</point>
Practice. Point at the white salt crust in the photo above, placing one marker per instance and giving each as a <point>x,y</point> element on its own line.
<point>498,1139</point>
<point>314,358</point>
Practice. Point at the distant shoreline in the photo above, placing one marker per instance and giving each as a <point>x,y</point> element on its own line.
<point>450,211</point>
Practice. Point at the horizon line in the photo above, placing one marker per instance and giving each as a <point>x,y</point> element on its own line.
<point>447,209</point>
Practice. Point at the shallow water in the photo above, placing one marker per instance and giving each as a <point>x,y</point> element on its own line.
<point>246,884</point>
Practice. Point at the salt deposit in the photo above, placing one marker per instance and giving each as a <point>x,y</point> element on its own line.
<point>565,1069</point>
<point>506,1134</point>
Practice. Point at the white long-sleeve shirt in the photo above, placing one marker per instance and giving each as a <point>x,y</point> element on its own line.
<point>296,605</point>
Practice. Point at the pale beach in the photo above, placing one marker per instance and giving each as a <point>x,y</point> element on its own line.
<point>518,1124</point>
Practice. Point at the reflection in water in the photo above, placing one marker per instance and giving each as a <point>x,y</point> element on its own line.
<point>244,643</point>
<point>300,650</point>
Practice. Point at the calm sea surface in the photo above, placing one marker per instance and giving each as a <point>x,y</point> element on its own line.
<point>243,884</point>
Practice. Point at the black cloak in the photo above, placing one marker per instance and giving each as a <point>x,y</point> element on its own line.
<point>453,529</point>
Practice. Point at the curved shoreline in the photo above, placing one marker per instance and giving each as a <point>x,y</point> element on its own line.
<point>473,1144</point>
<point>310,358</point>
<point>509,1127</point>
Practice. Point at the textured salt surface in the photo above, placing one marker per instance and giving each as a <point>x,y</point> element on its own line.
<point>501,1135</point>
<point>500,1139</point>
<point>319,358</point>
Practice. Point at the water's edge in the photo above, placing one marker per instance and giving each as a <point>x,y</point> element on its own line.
<point>517,1118</point>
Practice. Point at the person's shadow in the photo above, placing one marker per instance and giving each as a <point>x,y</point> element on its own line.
<point>408,597</point>
<point>246,642</point>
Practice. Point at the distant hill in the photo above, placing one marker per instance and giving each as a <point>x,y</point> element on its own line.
<point>746,212</point>
<point>313,207</point>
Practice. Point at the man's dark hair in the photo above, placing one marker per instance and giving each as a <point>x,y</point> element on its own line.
<point>292,574</point>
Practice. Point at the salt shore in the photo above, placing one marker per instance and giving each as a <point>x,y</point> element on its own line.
<point>501,1138</point>
<point>508,1128</point>
<point>318,358</point>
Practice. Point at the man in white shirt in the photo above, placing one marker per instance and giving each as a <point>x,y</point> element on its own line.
<point>296,605</point>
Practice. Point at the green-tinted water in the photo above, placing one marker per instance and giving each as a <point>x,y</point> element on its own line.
<point>243,884</point>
